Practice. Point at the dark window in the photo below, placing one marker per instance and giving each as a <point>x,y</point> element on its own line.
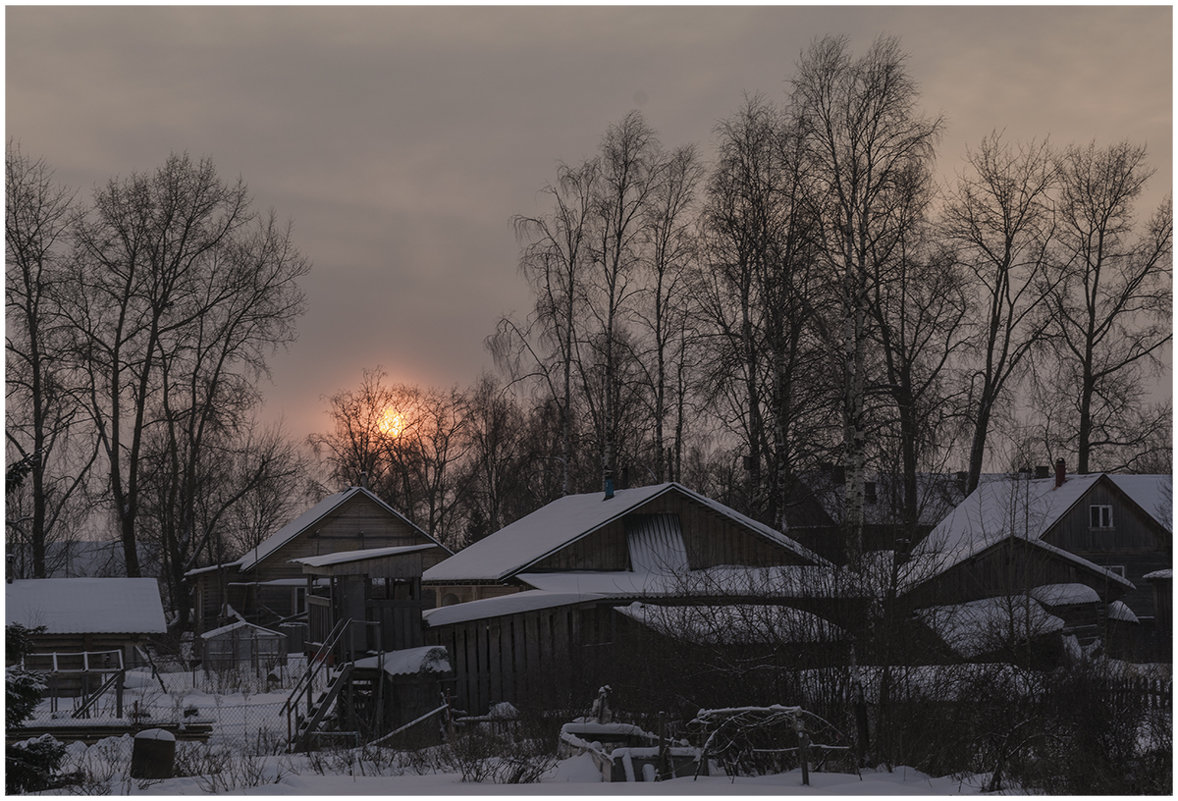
<point>1100,516</point>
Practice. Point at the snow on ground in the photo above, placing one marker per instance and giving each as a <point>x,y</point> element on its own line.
<point>293,775</point>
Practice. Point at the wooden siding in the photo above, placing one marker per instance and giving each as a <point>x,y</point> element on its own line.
<point>711,539</point>
<point>1009,567</point>
<point>359,523</point>
<point>1135,541</point>
<point>604,549</point>
<point>530,659</point>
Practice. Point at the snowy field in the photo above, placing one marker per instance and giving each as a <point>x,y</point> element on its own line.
<point>296,775</point>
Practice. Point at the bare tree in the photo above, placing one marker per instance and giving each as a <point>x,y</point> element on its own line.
<point>1001,224</point>
<point>865,139</point>
<point>666,311</point>
<point>758,296</point>
<point>408,443</point>
<point>1111,310</point>
<point>554,260</point>
<point>43,423</point>
<point>630,170</point>
<point>178,294</point>
<point>494,487</point>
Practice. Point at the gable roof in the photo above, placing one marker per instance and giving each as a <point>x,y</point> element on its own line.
<point>1028,509</point>
<point>86,605</point>
<point>521,544</point>
<point>312,516</point>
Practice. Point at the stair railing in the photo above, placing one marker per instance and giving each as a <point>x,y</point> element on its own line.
<point>306,682</point>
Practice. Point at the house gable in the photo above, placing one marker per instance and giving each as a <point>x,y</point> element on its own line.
<point>358,520</point>
<point>1132,529</point>
<point>358,523</point>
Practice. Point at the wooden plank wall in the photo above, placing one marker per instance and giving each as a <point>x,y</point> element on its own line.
<point>360,523</point>
<point>529,659</point>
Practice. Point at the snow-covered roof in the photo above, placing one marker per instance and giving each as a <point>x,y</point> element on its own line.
<point>786,581</point>
<point>1027,509</point>
<point>978,627</point>
<point>240,624</point>
<point>521,544</point>
<point>732,624</point>
<point>514,603</point>
<point>1168,573</point>
<point>410,661</point>
<point>1119,611</point>
<point>1065,594</point>
<point>86,605</point>
<point>343,557</point>
<point>312,516</point>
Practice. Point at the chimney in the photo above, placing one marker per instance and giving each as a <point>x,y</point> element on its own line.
<point>364,479</point>
<point>1061,473</point>
<point>1042,471</point>
<point>11,565</point>
<point>609,486</point>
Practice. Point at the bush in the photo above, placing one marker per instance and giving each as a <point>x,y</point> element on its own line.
<point>29,765</point>
<point>519,752</point>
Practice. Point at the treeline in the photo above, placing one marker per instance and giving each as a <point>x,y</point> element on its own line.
<point>138,325</point>
<point>808,297</point>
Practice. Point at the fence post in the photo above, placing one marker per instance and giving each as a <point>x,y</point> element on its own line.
<point>803,749</point>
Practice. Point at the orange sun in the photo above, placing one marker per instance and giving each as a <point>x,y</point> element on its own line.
<point>391,423</point>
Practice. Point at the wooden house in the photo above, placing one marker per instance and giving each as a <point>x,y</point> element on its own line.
<point>266,586</point>
<point>539,613</point>
<point>93,626</point>
<point>814,513</point>
<point>1023,535</point>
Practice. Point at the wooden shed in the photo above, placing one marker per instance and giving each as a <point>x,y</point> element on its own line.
<point>92,625</point>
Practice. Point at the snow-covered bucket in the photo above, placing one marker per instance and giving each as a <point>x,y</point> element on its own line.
<point>153,755</point>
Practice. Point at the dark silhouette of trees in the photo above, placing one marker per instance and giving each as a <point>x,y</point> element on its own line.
<point>44,424</point>
<point>1110,312</point>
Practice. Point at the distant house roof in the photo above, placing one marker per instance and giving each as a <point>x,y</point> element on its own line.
<point>521,544</point>
<point>86,605</point>
<point>1028,509</point>
<point>820,500</point>
<point>312,516</point>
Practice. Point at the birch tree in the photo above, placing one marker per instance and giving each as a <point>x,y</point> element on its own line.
<point>865,137</point>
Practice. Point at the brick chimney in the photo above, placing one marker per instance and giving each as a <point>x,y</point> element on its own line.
<point>1061,473</point>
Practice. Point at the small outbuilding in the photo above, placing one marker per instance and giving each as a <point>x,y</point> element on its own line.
<point>91,625</point>
<point>243,645</point>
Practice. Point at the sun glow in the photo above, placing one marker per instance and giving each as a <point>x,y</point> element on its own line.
<point>391,423</point>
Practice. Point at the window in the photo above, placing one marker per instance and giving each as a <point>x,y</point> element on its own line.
<point>1100,516</point>
<point>1118,569</point>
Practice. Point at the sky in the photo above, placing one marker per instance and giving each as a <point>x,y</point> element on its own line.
<point>400,141</point>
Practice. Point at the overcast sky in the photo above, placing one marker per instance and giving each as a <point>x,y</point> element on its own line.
<point>400,141</point>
